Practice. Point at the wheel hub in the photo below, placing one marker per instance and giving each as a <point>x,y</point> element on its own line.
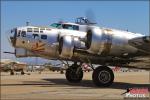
<point>104,77</point>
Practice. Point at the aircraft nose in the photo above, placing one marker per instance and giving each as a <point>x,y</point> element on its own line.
<point>12,34</point>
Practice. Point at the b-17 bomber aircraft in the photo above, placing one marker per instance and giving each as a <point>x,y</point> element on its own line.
<point>82,42</point>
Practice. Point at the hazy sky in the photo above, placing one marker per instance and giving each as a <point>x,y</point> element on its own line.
<point>131,15</point>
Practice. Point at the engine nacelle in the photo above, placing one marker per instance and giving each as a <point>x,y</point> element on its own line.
<point>94,40</point>
<point>99,41</point>
<point>66,46</point>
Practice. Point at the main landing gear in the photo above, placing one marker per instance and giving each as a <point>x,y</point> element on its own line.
<point>102,76</point>
<point>74,73</point>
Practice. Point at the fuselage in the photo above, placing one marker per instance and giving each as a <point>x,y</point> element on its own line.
<point>44,41</point>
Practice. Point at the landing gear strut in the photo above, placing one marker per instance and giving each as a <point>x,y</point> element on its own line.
<point>22,72</point>
<point>11,72</point>
<point>74,73</point>
<point>103,76</point>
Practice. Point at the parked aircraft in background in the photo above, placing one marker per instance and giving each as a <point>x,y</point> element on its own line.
<point>12,66</point>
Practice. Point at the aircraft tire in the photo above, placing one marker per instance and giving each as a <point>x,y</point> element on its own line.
<point>72,75</point>
<point>103,76</point>
<point>22,72</point>
<point>12,72</point>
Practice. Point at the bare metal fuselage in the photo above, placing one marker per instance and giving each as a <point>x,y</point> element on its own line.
<point>85,43</point>
<point>108,42</point>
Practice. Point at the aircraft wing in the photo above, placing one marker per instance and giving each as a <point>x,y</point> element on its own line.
<point>142,63</point>
<point>141,43</point>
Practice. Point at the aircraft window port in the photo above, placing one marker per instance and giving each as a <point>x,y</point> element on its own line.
<point>19,33</point>
<point>23,33</point>
<point>66,26</point>
<point>43,36</point>
<point>29,29</point>
<point>75,27</point>
<point>36,29</point>
<point>71,27</point>
<point>35,36</point>
<point>48,29</point>
<point>41,31</point>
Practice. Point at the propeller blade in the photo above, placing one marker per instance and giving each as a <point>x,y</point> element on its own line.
<point>9,36</point>
<point>90,16</point>
<point>9,52</point>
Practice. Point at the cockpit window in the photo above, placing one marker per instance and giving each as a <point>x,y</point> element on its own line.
<point>56,25</point>
<point>66,26</point>
<point>75,27</point>
<point>36,29</point>
<point>29,29</point>
<point>71,27</point>
<point>19,33</point>
<point>23,33</point>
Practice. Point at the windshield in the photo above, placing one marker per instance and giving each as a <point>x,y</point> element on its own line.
<point>66,26</point>
<point>56,25</point>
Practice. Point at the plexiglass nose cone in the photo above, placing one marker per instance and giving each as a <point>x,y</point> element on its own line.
<point>11,36</point>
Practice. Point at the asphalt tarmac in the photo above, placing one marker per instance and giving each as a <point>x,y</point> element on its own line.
<point>53,85</point>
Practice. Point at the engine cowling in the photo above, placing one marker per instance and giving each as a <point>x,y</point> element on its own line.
<point>66,46</point>
<point>99,41</point>
<point>94,40</point>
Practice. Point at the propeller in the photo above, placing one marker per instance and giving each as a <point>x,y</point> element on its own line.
<point>60,20</point>
<point>9,52</point>
<point>90,16</point>
<point>92,20</point>
<point>8,35</point>
<point>11,36</point>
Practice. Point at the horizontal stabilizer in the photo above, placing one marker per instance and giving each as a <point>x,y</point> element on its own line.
<point>141,43</point>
